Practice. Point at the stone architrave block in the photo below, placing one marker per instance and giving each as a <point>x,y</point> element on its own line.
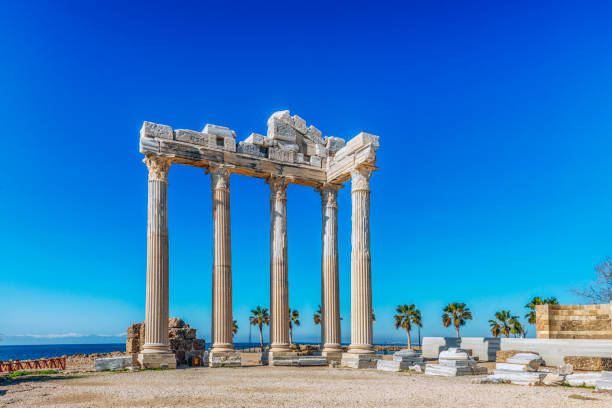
<point>315,161</point>
<point>112,363</point>
<point>288,146</point>
<point>191,136</point>
<point>256,139</point>
<point>315,134</point>
<point>281,155</point>
<point>281,130</point>
<point>333,144</point>
<point>148,145</point>
<point>150,129</point>
<point>219,131</point>
<point>320,150</point>
<point>249,148</point>
<point>229,144</point>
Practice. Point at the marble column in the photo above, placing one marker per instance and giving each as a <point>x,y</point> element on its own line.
<point>361,278</point>
<point>279,280</point>
<point>330,287</point>
<point>221,333</point>
<point>156,320</point>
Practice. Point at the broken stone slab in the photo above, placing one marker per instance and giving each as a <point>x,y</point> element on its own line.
<point>604,382</point>
<point>224,359</point>
<point>513,367</point>
<point>454,353</point>
<point>453,371</point>
<point>566,369</point>
<point>304,361</point>
<point>217,130</point>
<point>352,360</point>
<point>112,363</point>
<point>191,136</point>
<point>150,129</point>
<point>586,363</point>
<point>397,365</point>
<point>553,379</point>
<point>408,356</point>
<point>531,360</point>
<point>583,379</point>
<point>519,377</point>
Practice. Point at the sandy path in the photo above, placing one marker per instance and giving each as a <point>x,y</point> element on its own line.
<point>285,387</point>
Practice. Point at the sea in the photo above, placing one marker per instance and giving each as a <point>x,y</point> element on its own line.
<point>32,352</point>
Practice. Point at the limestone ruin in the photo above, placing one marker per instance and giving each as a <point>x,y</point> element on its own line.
<point>574,321</point>
<point>455,362</point>
<point>289,153</point>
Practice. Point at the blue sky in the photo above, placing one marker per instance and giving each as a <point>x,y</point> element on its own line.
<point>494,179</point>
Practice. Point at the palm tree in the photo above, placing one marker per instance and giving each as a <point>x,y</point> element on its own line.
<point>516,327</point>
<point>234,327</point>
<point>456,314</point>
<point>531,316</point>
<point>503,323</point>
<point>317,316</point>
<point>259,317</point>
<point>406,316</point>
<point>294,316</point>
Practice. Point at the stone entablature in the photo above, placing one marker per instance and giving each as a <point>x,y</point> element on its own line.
<point>290,149</point>
<point>290,152</point>
<point>574,321</point>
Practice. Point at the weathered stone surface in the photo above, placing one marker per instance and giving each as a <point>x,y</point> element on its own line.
<point>450,371</point>
<point>502,355</point>
<point>604,382</point>
<point>275,153</point>
<point>585,363</point>
<point>175,322</point>
<point>150,129</point>
<point>518,377</point>
<point>156,360</point>
<point>219,131</point>
<point>191,136</point>
<point>333,144</point>
<point>566,369</point>
<point>583,379</point>
<point>249,148</point>
<point>354,360</point>
<point>553,351</point>
<point>531,360</point>
<point>315,134</point>
<point>553,379</point>
<point>198,344</point>
<point>224,359</point>
<point>574,321</point>
<point>256,139</point>
<point>112,363</point>
<point>315,161</point>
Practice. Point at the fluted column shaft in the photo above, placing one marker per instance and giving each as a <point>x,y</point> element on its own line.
<point>279,280</point>
<point>361,277</point>
<point>330,287</point>
<point>221,331</point>
<point>156,320</point>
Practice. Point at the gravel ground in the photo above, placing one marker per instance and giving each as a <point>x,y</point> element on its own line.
<point>283,387</point>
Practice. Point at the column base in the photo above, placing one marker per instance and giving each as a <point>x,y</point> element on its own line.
<point>356,360</point>
<point>335,355</point>
<point>157,360</point>
<point>361,349</point>
<point>224,359</point>
<point>224,348</point>
<point>278,358</point>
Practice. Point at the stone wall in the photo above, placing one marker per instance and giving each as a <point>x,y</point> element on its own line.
<point>574,321</point>
<point>183,342</point>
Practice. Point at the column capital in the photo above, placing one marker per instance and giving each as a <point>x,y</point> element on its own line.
<point>360,179</point>
<point>278,187</point>
<point>158,167</point>
<point>219,175</point>
<point>329,194</point>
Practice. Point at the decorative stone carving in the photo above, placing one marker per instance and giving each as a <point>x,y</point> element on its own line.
<point>158,167</point>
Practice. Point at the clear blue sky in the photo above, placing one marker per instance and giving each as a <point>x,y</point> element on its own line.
<point>494,181</point>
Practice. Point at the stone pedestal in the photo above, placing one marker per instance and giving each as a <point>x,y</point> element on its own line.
<point>332,356</point>
<point>356,360</point>
<point>402,360</point>
<point>224,359</point>
<point>279,279</point>
<point>157,360</point>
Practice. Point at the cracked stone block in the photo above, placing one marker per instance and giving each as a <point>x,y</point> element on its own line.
<point>334,144</point>
<point>315,135</point>
<point>150,129</point>
<point>281,155</point>
<point>191,136</point>
<point>315,161</point>
<point>299,123</point>
<point>249,148</point>
<point>288,146</point>
<point>360,360</point>
<point>229,144</point>
<point>320,150</point>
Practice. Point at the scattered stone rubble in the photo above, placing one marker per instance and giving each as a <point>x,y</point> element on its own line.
<point>521,369</point>
<point>406,359</point>
<point>183,341</point>
<point>455,362</point>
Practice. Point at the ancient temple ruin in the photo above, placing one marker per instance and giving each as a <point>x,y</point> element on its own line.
<point>290,152</point>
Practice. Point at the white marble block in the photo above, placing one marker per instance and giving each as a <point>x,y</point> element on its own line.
<point>604,382</point>
<point>355,360</point>
<point>531,360</point>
